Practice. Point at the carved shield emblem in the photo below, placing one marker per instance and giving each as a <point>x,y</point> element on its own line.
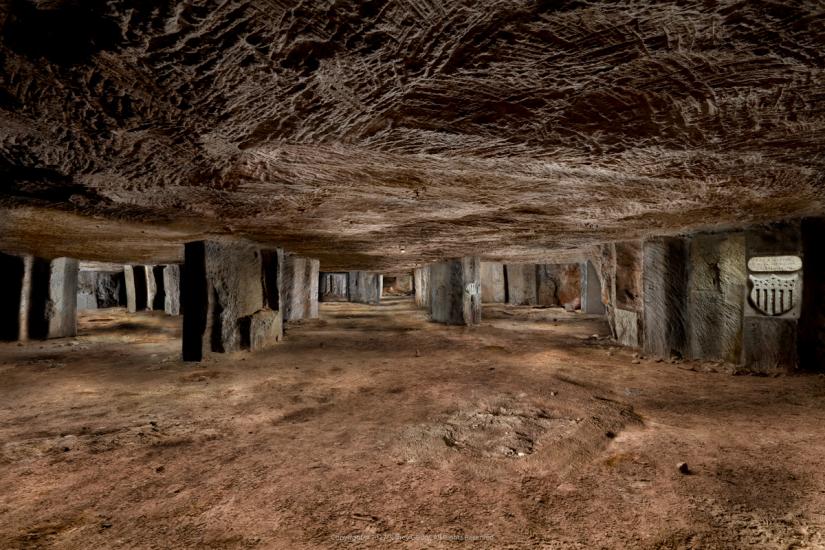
<point>774,293</point>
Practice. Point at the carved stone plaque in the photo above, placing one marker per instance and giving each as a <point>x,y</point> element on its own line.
<point>774,264</point>
<point>775,284</point>
<point>774,294</point>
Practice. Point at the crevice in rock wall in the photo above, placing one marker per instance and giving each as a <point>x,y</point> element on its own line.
<point>271,266</point>
<point>217,323</point>
<point>12,270</point>
<point>141,287</point>
<point>811,346</point>
<point>195,301</point>
<point>159,299</point>
<point>38,299</point>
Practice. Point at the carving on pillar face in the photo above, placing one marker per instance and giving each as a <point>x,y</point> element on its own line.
<point>775,285</point>
<point>775,263</point>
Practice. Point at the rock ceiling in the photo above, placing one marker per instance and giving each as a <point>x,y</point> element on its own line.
<point>381,135</point>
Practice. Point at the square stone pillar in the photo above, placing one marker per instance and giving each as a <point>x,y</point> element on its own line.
<point>421,281</point>
<point>12,274</point>
<point>717,292</point>
<point>364,287</point>
<point>627,293</point>
<point>332,287</point>
<point>771,330</point>
<point>300,277</point>
<point>171,286</point>
<point>151,286</point>
<point>224,301</point>
<point>136,287</point>
<point>591,290</point>
<point>521,284</point>
<point>455,291</point>
<point>665,275</point>
<point>493,284</point>
<point>52,311</point>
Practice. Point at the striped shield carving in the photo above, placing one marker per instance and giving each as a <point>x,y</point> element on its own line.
<point>774,294</point>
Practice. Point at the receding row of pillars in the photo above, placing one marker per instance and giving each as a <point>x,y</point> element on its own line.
<point>233,296</point>
<point>453,291</point>
<point>41,296</point>
<point>152,288</point>
<point>362,287</point>
<point>690,296</point>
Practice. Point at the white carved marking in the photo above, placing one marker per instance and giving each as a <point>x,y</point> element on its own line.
<point>774,294</point>
<point>775,263</point>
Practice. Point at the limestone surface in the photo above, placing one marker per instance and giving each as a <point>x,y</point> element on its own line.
<point>521,284</point>
<point>385,136</point>
<point>455,291</point>
<point>421,282</point>
<point>493,285</point>
<point>52,298</point>
<point>364,287</point>
<point>171,283</point>
<point>332,287</point>
<point>222,285</point>
<point>300,287</point>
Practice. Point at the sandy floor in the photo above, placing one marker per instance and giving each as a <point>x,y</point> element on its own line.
<point>372,428</point>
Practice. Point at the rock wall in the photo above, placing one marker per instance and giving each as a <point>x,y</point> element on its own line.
<point>109,290</point>
<point>559,285</point>
<point>493,283</point>
<point>591,290</point>
<point>398,284</point>
<point>455,291</point>
<point>521,284</point>
<point>99,289</point>
<point>86,290</point>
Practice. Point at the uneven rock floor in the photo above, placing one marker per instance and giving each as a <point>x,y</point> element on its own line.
<point>372,427</point>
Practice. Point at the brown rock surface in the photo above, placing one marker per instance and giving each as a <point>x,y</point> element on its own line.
<point>384,136</point>
<point>329,441</point>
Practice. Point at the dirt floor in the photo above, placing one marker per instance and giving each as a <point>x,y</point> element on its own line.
<point>372,428</point>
